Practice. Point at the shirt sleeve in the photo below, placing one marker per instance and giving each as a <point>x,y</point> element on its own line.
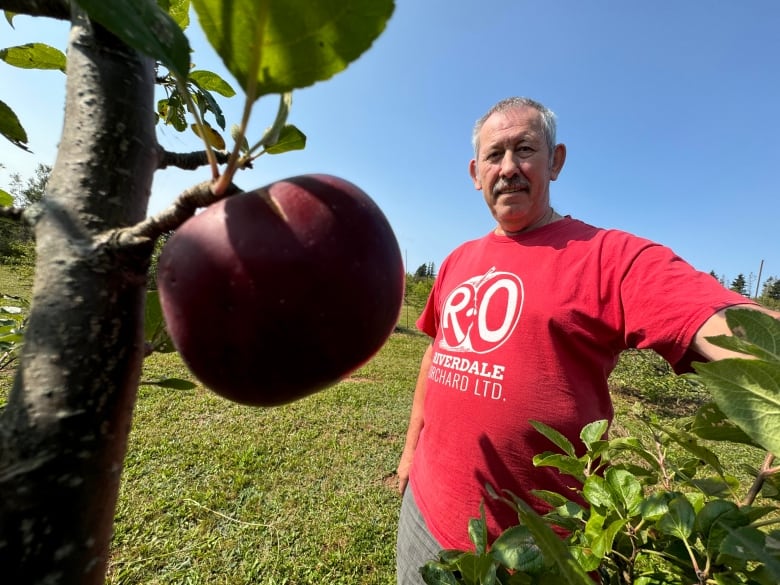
<point>666,301</point>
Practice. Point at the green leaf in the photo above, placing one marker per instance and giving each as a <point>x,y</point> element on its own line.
<point>11,128</point>
<point>689,442</point>
<point>553,498</point>
<point>635,446</point>
<point>750,544</point>
<point>172,111</point>
<point>235,134</point>
<point>11,338</point>
<point>711,486</point>
<point>712,520</point>
<point>555,437</point>
<point>656,505</point>
<point>34,56</point>
<point>759,332</point>
<point>180,12</point>
<point>602,544</point>
<point>173,383</point>
<point>207,102</point>
<point>6,199</point>
<point>552,547</point>
<point>434,573</point>
<point>516,549</point>
<point>477,568</point>
<point>593,432</point>
<point>478,531</point>
<point>281,45</point>
<point>597,492</point>
<point>144,26</point>
<point>679,520</point>
<point>563,463</point>
<point>710,423</point>
<point>748,392</point>
<point>212,82</point>
<point>626,488</point>
<point>290,138</point>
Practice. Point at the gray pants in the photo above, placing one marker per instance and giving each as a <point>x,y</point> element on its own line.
<point>415,546</point>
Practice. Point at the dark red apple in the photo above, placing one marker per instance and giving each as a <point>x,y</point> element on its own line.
<point>273,294</point>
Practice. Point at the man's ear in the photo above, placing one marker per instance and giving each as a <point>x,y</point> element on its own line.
<point>558,158</point>
<point>474,175</point>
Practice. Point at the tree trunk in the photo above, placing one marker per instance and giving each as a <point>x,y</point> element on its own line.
<point>63,433</point>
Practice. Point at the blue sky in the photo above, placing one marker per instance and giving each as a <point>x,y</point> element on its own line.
<point>670,111</point>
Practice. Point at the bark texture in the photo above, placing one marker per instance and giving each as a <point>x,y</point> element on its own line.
<point>63,433</point>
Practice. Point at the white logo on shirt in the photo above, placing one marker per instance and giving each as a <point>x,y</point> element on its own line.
<point>481,313</point>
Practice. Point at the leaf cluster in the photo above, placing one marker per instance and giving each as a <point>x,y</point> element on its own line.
<point>661,513</point>
<point>13,318</point>
<point>199,90</point>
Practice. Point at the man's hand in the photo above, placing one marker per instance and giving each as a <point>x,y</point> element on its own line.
<point>404,466</point>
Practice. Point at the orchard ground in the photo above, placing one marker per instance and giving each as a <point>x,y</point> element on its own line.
<point>217,493</point>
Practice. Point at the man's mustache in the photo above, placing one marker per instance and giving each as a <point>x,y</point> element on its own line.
<point>511,184</point>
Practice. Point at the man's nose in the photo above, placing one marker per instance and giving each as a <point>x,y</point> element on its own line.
<point>509,166</point>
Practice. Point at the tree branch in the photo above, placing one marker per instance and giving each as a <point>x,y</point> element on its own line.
<point>189,161</point>
<point>169,219</point>
<point>59,9</point>
<point>765,471</point>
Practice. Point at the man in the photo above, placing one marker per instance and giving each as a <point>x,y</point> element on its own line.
<point>527,323</point>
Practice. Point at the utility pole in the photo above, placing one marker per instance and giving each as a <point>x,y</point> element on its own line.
<point>758,280</point>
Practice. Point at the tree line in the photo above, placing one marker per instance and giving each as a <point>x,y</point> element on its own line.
<point>770,289</point>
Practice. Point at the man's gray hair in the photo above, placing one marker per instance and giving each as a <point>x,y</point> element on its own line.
<point>548,120</point>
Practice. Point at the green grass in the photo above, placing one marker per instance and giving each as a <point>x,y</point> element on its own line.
<point>215,492</point>
<point>16,280</point>
<point>218,493</point>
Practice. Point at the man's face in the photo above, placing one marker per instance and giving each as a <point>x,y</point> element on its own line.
<point>514,167</point>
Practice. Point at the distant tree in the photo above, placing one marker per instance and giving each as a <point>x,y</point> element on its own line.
<point>739,284</point>
<point>16,238</point>
<point>771,288</point>
<point>425,271</point>
<point>31,191</point>
<point>422,271</point>
<point>721,279</point>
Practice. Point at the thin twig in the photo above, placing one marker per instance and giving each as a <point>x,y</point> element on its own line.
<point>230,518</point>
<point>765,471</point>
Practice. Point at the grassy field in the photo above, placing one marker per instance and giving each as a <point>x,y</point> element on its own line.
<point>217,493</point>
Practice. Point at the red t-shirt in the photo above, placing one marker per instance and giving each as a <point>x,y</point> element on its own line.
<point>529,327</point>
